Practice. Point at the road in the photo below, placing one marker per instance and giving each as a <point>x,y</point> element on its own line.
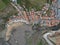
<point>46,38</point>
<point>18,37</point>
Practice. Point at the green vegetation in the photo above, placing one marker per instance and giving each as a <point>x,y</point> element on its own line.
<point>39,43</point>
<point>25,3</point>
<point>29,4</point>
<point>49,1</point>
<point>29,41</point>
<point>38,4</point>
<point>2,5</point>
<point>6,1</point>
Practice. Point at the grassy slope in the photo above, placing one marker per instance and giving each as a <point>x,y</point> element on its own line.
<point>2,5</point>
<point>6,1</point>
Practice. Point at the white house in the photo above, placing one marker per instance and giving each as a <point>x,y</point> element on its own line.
<point>14,1</point>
